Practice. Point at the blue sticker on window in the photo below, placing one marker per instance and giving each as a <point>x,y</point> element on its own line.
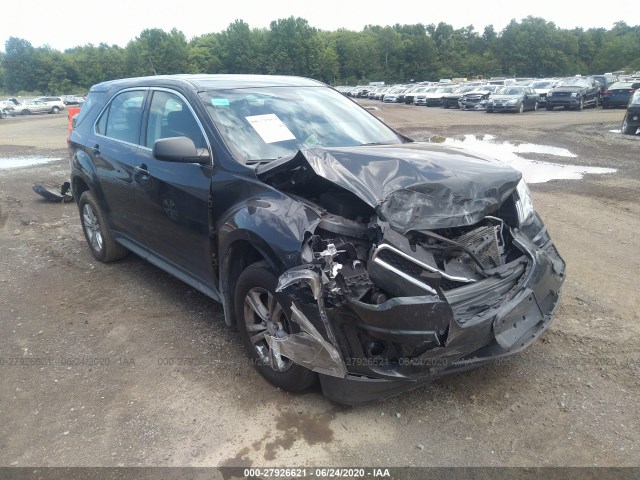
<point>220,102</point>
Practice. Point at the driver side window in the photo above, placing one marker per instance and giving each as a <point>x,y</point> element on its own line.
<point>170,116</point>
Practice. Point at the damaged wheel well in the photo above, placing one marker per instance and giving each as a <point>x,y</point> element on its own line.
<point>237,258</point>
<point>79,186</point>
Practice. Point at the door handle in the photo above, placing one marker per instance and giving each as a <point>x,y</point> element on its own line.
<point>96,149</point>
<point>142,168</point>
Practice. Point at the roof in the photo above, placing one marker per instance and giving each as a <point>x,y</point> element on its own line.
<point>203,82</point>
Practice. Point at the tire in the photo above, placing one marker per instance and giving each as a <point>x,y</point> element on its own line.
<point>580,104</point>
<point>548,108</point>
<point>626,128</point>
<point>605,107</point>
<point>55,110</point>
<point>535,107</point>
<point>489,111</point>
<point>94,226</point>
<point>255,290</point>
<point>521,107</point>
<point>26,112</point>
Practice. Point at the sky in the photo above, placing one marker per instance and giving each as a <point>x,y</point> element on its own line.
<point>63,24</point>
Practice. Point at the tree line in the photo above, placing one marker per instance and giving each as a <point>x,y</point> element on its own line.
<point>532,47</point>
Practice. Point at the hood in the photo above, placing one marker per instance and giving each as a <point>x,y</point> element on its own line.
<point>413,186</point>
<point>569,88</point>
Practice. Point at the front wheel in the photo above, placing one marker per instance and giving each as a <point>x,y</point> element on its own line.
<point>521,107</point>
<point>26,112</point>
<point>94,226</point>
<point>580,104</point>
<point>260,311</point>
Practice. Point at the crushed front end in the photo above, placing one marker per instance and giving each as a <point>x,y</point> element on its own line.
<point>386,301</point>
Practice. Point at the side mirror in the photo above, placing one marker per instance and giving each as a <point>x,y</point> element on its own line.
<point>179,149</point>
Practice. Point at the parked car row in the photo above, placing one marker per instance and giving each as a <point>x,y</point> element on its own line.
<point>37,105</point>
<point>500,94</point>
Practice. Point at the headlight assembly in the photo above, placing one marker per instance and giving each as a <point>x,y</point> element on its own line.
<point>523,204</point>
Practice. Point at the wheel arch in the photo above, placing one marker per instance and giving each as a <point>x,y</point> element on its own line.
<point>235,258</point>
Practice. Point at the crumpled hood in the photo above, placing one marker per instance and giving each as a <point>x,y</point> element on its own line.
<point>413,186</point>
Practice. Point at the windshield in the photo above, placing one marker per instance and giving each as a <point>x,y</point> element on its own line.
<point>510,91</point>
<point>262,124</point>
<point>542,85</point>
<point>574,82</point>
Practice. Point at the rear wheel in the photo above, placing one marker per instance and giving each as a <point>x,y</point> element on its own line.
<point>55,110</point>
<point>626,128</point>
<point>261,311</point>
<point>101,243</point>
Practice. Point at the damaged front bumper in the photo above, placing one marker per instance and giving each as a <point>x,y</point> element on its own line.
<point>366,352</point>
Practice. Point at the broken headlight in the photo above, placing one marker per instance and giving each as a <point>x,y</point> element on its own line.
<point>523,204</point>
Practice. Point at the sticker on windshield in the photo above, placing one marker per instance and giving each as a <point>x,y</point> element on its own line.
<point>270,128</point>
<point>220,102</point>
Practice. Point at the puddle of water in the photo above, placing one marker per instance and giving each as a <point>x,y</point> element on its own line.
<point>18,162</point>
<point>533,171</point>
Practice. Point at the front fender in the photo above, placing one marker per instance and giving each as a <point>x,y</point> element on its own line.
<point>273,226</point>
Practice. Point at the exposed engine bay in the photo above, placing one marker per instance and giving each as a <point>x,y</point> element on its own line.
<point>388,278</point>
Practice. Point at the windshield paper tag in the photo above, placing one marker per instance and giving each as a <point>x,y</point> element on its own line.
<point>220,102</point>
<point>270,128</point>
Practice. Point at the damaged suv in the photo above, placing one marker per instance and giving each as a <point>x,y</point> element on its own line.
<point>342,250</point>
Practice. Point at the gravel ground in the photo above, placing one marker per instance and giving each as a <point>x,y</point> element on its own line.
<point>123,365</point>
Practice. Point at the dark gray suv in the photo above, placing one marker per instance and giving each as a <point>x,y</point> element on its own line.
<point>343,251</point>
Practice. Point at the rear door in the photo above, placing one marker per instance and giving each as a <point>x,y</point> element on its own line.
<point>114,148</point>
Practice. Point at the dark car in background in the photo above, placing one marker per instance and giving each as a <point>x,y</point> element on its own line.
<point>342,251</point>
<point>477,98</point>
<point>450,100</point>
<point>631,121</point>
<point>513,98</point>
<point>604,81</point>
<point>574,92</point>
<point>619,94</point>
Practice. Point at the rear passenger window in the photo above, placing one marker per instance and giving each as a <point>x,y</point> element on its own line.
<point>121,120</point>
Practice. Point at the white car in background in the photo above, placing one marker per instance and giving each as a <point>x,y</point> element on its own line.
<point>55,104</point>
<point>542,87</point>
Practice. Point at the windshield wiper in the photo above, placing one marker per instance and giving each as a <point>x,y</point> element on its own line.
<point>264,160</point>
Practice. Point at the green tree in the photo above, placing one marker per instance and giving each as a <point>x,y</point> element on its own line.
<point>20,65</point>
<point>294,47</point>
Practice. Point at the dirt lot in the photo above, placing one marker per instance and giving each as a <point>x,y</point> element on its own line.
<point>121,364</point>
